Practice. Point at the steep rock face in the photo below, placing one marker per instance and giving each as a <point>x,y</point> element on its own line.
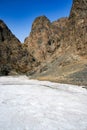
<point>44,38</point>
<point>79,10</point>
<point>68,38</point>
<point>5,33</point>
<point>78,26</point>
<point>13,57</point>
<point>67,34</point>
<point>39,37</point>
<point>54,51</point>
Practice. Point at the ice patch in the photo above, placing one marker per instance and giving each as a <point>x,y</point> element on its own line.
<point>41,105</point>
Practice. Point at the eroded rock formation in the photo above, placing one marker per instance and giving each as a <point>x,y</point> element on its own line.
<point>55,51</point>
<point>13,57</point>
<point>62,45</point>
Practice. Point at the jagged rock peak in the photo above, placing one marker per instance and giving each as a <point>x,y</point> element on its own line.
<point>39,22</point>
<point>42,18</point>
<point>79,9</point>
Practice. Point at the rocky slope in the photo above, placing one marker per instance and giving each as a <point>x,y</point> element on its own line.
<point>61,46</point>
<point>13,57</point>
<point>43,38</point>
<point>55,51</point>
<point>46,37</point>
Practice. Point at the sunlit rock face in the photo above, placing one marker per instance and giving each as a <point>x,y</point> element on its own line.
<point>47,38</point>
<point>55,51</point>
<point>62,43</point>
<point>43,39</point>
<point>79,9</point>
<point>78,24</point>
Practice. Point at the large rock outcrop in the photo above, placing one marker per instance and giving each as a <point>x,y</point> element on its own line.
<point>13,57</point>
<point>55,51</point>
<point>79,10</point>
<point>48,39</point>
<point>42,40</point>
<point>61,46</point>
<point>78,26</point>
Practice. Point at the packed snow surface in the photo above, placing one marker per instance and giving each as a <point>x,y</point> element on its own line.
<point>41,105</point>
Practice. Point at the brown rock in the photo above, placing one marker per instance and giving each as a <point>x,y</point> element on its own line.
<point>54,51</point>
<point>79,10</point>
<point>13,56</point>
<point>78,26</point>
<point>45,38</point>
<point>63,43</point>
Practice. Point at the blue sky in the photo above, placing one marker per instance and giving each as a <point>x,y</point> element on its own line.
<point>20,14</point>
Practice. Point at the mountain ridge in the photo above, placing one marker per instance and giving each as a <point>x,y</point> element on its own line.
<point>55,51</point>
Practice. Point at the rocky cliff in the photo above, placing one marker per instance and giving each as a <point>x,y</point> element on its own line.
<point>13,57</point>
<point>55,51</point>
<point>61,46</point>
<point>79,10</point>
<point>45,38</point>
<point>78,25</point>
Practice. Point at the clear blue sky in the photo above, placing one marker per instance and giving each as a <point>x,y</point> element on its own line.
<point>19,14</point>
